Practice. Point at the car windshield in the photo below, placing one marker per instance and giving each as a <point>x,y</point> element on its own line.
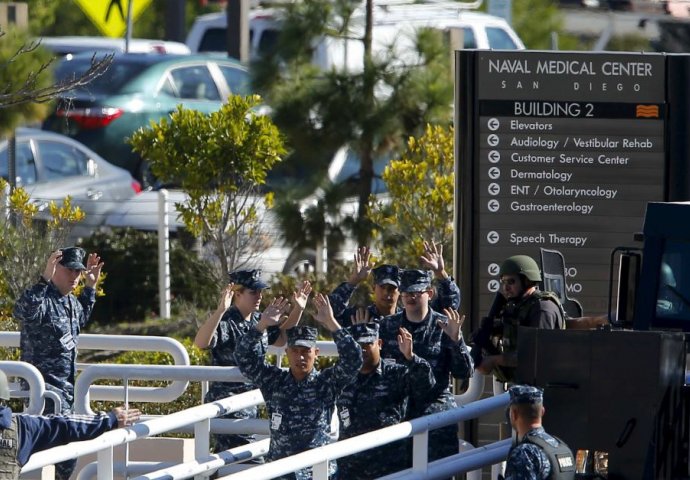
<point>112,81</point>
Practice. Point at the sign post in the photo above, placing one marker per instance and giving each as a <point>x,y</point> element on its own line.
<point>110,16</point>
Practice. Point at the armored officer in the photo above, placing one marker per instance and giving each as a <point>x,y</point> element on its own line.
<point>23,435</point>
<point>536,455</point>
<point>521,304</point>
<point>300,401</point>
<point>378,399</point>
<point>386,287</point>
<point>222,330</point>
<point>438,339</point>
<point>51,318</point>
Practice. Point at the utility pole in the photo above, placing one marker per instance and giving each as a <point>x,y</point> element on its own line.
<point>175,20</point>
<point>238,29</point>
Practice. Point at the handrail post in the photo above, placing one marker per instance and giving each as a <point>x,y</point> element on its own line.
<point>320,470</point>
<point>105,463</point>
<point>202,442</point>
<point>420,449</point>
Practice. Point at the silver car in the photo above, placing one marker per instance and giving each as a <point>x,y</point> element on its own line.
<point>50,166</point>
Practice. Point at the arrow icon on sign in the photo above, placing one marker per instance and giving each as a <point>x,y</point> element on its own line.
<point>493,286</point>
<point>493,269</point>
<point>493,237</point>
<point>494,156</point>
<point>492,140</point>
<point>494,173</point>
<point>494,189</point>
<point>493,205</point>
<point>493,124</point>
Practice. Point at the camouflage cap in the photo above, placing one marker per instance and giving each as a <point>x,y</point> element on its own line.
<point>73,257</point>
<point>250,279</point>
<point>301,337</point>
<point>365,332</point>
<point>415,280</point>
<point>387,275</point>
<point>525,394</point>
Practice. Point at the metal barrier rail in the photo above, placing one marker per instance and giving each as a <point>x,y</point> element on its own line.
<point>418,428</point>
<point>126,343</point>
<point>111,371</point>
<point>37,388</point>
<point>104,444</point>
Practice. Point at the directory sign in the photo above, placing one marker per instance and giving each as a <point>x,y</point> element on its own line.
<point>565,151</point>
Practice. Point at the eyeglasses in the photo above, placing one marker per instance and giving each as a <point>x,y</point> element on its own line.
<point>508,281</point>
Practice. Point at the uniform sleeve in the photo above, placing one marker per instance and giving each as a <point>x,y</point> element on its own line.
<point>447,295</point>
<point>420,378</point>
<point>345,371</point>
<point>461,364</point>
<point>250,356</point>
<point>37,433</point>
<point>544,314</point>
<point>30,304</point>
<point>87,299</point>
<point>339,298</point>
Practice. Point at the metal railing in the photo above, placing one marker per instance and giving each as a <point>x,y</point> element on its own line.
<point>125,343</point>
<point>418,428</point>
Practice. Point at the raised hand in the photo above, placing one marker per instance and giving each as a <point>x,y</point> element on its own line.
<point>361,315</point>
<point>51,265</point>
<point>93,270</point>
<point>301,295</point>
<point>226,297</point>
<point>361,266</point>
<point>433,258</point>
<point>405,343</point>
<point>324,312</point>
<point>453,326</point>
<point>271,316</point>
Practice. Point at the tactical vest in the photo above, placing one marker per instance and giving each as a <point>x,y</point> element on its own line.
<point>515,315</point>
<point>9,468</point>
<point>560,457</point>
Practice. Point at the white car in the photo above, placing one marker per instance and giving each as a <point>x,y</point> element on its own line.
<point>50,166</point>
<point>76,44</point>
<point>394,26</point>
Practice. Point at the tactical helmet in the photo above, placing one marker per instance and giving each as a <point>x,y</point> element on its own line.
<point>4,386</point>
<point>521,265</point>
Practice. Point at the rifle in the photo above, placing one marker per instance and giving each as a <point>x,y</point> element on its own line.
<point>482,345</point>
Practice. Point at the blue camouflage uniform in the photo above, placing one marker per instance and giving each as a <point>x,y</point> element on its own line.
<point>299,412</point>
<point>50,326</point>
<point>376,400</point>
<point>35,433</point>
<point>529,461</point>
<point>445,357</point>
<point>447,295</point>
<point>49,336</point>
<point>231,327</point>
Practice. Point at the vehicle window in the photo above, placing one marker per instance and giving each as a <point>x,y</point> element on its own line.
<point>195,83</point>
<point>25,164</point>
<point>112,81</point>
<point>214,40</point>
<point>61,161</point>
<point>499,39</point>
<point>236,78</point>
<point>268,41</point>
<point>167,87</point>
<point>468,38</point>
<point>673,293</point>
